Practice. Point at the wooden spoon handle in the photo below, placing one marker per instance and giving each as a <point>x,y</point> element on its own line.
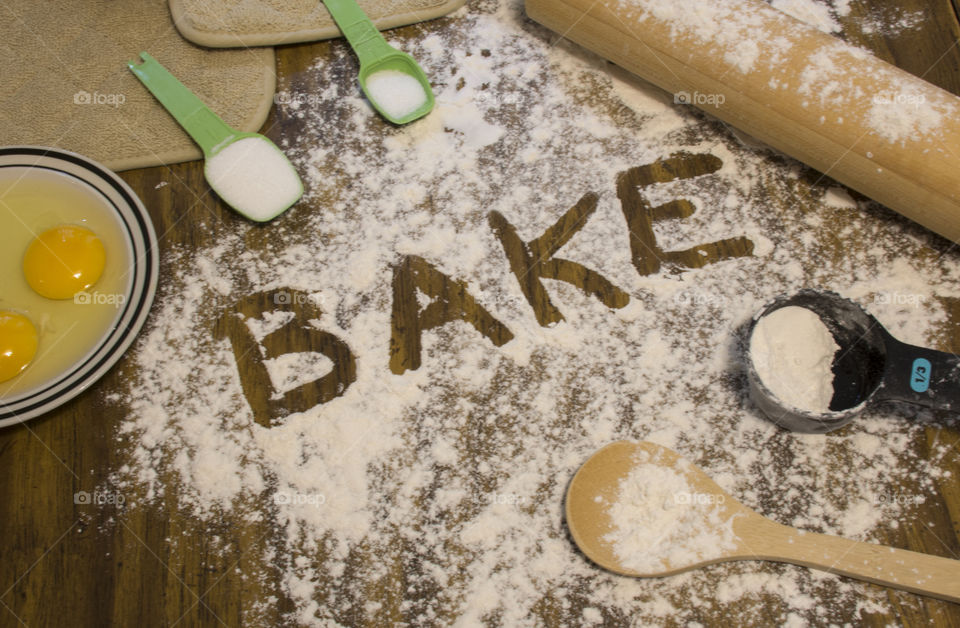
<point>925,574</point>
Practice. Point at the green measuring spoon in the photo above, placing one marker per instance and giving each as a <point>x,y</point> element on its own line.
<point>393,82</point>
<point>246,170</point>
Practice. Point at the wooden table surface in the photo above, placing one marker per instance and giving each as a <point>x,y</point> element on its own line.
<point>62,564</point>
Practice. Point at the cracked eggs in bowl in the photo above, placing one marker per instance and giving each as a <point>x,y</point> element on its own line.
<point>79,267</point>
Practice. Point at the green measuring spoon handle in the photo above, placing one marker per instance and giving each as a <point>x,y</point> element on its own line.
<point>205,127</point>
<point>364,38</point>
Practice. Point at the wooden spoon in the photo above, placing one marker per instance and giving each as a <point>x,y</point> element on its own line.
<point>596,486</point>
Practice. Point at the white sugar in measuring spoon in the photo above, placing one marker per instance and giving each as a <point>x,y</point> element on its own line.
<point>246,170</point>
<point>254,177</point>
<point>393,81</point>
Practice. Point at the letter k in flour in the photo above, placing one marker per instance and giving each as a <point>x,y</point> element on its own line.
<point>534,260</point>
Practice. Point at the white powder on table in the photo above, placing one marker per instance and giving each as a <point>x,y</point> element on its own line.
<point>453,475</point>
<point>253,176</point>
<point>813,12</point>
<point>886,19</point>
<point>792,351</point>
<point>661,523</point>
<point>397,93</point>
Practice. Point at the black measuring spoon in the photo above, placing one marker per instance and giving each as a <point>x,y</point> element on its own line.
<point>870,366</point>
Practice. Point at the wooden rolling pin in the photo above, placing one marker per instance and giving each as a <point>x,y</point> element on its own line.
<point>860,120</point>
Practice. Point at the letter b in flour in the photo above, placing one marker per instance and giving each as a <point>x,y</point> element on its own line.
<point>297,335</point>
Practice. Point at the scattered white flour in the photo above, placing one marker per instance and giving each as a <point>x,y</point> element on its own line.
<point>254,178</point>
<point>813,12</point>
<point>839,198</point>
<point>792,351</point>
<point>731,27</point>
<point>661,523</point>
<point>891,20</point>
<point>435,497</point>
<point>397,93</point>
<point>894,106</point>
<point>885,19</point>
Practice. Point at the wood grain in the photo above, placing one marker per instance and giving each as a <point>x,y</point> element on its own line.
<point>133,565</point>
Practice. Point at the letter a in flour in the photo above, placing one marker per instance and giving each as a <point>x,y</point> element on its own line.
<point>448,301</point>
<point>533,261</point>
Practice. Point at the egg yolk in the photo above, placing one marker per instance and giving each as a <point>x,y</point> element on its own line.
<point>63,261</point>
<point>18,344</point>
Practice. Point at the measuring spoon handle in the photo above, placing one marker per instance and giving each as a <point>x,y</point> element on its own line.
<point>921,376</point>
<point>205,127</point>
<point>897,568</point>
<point>364,38</point>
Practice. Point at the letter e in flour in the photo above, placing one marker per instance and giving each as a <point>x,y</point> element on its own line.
<point>647,255</point>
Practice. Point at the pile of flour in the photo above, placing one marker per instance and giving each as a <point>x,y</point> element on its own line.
<point>435,496</point>
<point>792,352</point>
<point>659,522</point>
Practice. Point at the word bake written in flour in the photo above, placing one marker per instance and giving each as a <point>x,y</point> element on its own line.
<point>449,300</point>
